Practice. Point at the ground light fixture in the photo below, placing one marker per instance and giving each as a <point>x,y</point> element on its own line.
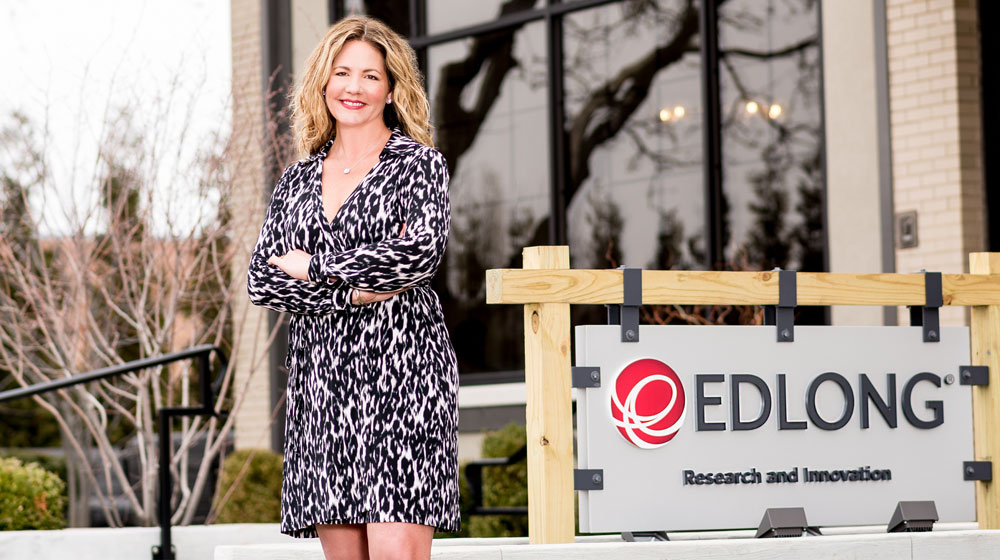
<point>783,522</point>
<point>911,517</point>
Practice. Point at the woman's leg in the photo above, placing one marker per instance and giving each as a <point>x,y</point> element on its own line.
<point>343,542</point>
<point>399,541</point>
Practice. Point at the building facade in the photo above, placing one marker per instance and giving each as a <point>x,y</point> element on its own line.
<point>842,136</point>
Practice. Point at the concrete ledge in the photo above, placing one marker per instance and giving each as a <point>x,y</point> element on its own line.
<point>196,542</point>
<point>958,541</point>
<point>950,545</point>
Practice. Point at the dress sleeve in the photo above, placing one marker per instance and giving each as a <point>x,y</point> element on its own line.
<point>400,262</point>
<point>269,286</point>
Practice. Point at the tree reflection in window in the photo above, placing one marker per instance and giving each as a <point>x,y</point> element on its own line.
<point>772,134</point>
<point>634,192</point>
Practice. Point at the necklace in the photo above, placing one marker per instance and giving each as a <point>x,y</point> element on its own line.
<point>347,169</point>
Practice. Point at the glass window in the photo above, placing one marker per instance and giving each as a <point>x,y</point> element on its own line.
<point>490,112</point>
<point>633,102</point>
<point>394,13</point>
<point>769,73</point>
<point>448,15</point>
<point>635,191</point>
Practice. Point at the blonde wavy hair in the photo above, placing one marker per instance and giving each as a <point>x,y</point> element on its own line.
<point>314,125</point>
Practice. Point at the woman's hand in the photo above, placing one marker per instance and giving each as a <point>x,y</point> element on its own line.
<point>295,263</point>
<point>361,297</point>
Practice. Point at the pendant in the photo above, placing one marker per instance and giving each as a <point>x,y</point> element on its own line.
<point>347,170</point>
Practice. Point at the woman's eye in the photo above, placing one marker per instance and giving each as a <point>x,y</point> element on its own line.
<point>372,76</point>
<point>341,73</point>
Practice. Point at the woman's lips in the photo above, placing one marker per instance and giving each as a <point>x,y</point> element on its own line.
<point>352,105</point>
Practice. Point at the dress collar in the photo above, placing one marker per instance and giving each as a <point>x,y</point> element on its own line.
<point>398,144</point>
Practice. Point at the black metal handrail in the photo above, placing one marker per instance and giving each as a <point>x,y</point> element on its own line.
<point>203,354</point>
<point>474,477</point>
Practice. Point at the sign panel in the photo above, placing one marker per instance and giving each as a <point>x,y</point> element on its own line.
<point>705,427</point>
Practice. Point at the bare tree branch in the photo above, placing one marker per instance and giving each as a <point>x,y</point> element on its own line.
<point>491,55</point>
<point>610,105</point>
<point>124,285</point>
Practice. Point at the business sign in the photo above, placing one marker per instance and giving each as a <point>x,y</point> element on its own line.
<point>705,427</point>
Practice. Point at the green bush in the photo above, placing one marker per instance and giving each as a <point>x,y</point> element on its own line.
<point>53,463</point>
<point>30,497</point>
<point>256,475</point>
<point>503,486</point>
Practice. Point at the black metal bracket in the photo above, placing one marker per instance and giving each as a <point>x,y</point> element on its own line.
<point>588,479</point>
<point>642,536</point>
<point>585,377</point>
<point>974,375</point>
<point>783,314</point>
<point>627,314</point>
<point>926,316</point>
<point>158,553</point>
<point>977,470</point>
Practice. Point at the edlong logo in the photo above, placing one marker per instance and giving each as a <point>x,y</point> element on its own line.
<point>648,404</point>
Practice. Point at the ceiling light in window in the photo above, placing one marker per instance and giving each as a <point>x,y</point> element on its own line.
<point>752,107</point>
<point>775,111</point>
<point>665,115</point>
<point>679,111</point>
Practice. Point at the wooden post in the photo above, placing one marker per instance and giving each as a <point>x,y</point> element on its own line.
<point>985,339</point>
<point>548,409</point>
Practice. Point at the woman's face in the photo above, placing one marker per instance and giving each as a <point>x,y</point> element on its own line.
<point>358,87</point>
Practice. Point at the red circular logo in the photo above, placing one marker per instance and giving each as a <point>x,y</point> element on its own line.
<point>647,403</point>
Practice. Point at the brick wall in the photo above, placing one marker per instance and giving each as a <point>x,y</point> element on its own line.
<point>250,358</point>
<point>934,95</point>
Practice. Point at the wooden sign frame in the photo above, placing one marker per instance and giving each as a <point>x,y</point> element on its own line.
<point>546,286</point>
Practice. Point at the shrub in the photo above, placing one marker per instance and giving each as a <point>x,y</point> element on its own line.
<point>503,486</point>
<point>30,497</point>
<point>250,487</point>
<point>53,463</point>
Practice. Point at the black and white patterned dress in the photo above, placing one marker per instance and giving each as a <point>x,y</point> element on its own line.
<point>371,412</point>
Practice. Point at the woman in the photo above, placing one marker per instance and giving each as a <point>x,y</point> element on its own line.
<point>353,235</point>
